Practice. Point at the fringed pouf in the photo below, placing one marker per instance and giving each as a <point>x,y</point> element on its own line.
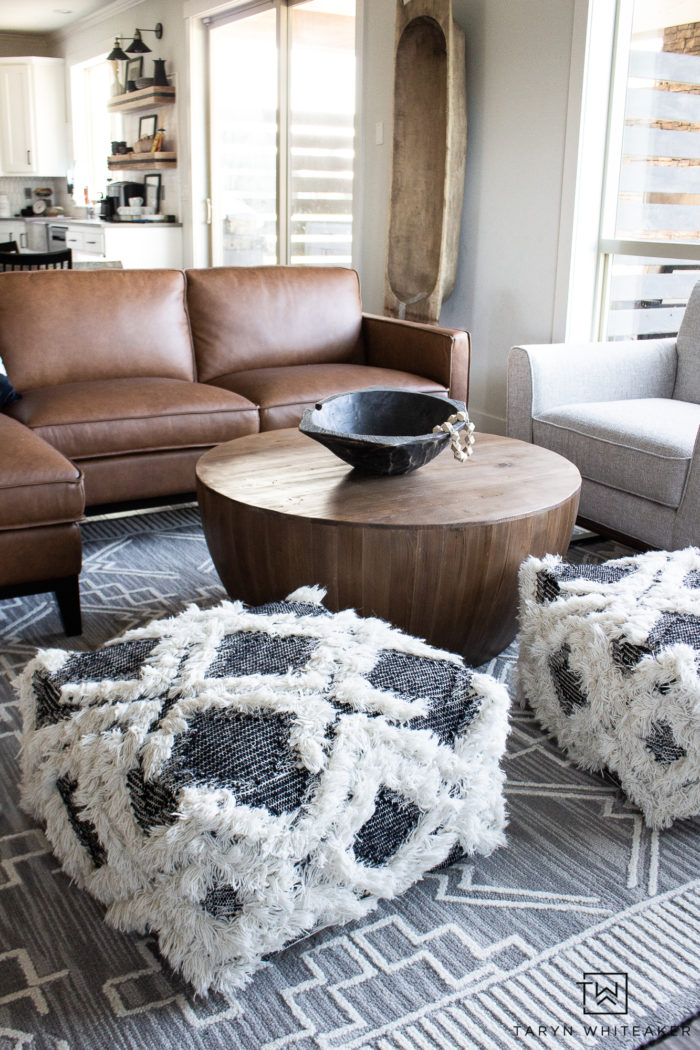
<point>610,662</point>
<point>237,777</point>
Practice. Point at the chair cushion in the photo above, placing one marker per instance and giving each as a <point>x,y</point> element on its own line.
<point>283,393</point>
<point>38,486</point>
<point>109,417</point>
<point>687,386</point>
<point>235,777</point>
<point>609,660</point>
<point>643,446</point>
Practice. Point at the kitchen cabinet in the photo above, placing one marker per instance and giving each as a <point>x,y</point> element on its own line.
<point>144,246</point>
<point>32,116</point>
<point>137,246</point>
<point>13,230</point>
<point>87,242</point>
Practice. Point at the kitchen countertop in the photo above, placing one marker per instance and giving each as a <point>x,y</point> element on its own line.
<point>68,220</point>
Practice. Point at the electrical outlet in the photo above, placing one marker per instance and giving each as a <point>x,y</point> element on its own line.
<point>27,193</point>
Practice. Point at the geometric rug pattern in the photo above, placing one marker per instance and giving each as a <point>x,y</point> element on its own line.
<point>583,931</point>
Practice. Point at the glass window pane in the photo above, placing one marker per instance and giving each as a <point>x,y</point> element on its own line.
<point>659,184</point>
<point>244,94</point>
<point>91,90</point>
<point>321,133</point>
<point>647,296</point>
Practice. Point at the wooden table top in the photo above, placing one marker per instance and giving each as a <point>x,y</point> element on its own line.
<point>286,472</point>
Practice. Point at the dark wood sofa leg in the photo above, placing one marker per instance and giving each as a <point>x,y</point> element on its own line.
<point>67,593</point>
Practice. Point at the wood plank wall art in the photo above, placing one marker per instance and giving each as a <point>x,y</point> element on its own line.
<point>428,160</point>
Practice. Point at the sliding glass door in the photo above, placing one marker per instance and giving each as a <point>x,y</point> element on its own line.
<point>244,106</point>
<point>282,105</point>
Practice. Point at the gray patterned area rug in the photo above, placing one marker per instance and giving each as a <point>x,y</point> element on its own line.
<point>584,931</point>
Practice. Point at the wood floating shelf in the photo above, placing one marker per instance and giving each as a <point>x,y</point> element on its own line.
<point>150,96</point>
<point>141,161</point>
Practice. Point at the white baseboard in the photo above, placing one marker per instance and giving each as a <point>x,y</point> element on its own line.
<point>487,423</point>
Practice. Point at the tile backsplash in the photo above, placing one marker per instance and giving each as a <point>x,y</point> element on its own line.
<point>14,186</point>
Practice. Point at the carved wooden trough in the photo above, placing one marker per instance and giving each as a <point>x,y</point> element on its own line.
<point>428,162</point>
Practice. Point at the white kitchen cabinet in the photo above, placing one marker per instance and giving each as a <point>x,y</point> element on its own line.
<point>13,230</point>
<point>87,242</point>
<point>32,116</point>
<point>144,246</point>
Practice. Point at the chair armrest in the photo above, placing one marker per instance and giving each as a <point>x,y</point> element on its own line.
<point>440,354</point>
<point>543,376</point>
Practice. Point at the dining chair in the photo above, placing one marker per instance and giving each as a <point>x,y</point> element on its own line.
<point>60,260</point>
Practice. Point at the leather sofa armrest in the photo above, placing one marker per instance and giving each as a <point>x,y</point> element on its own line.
<point>440,354</point>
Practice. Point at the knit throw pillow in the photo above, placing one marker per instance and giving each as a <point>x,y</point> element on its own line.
<point>237,777</point>
<point>609,660</point>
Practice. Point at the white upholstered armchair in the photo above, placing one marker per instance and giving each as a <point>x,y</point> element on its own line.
<point>628,415</point>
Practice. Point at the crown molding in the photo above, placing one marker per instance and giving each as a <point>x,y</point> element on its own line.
<point>116,7</point>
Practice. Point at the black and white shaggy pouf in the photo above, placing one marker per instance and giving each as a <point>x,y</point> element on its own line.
<point>234,778</point>
<point>610,662</point>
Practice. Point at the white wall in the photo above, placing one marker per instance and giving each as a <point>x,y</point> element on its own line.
<point>518,60</point>
<point>95,35</point>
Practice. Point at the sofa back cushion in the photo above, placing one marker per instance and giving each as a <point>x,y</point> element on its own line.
<point>687,386</point>
<point>266,316</point>
<point>67,326</point>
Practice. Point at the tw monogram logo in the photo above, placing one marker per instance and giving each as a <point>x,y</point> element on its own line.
<point>604,993</point>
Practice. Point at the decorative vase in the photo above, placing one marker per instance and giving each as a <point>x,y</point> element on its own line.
<point>159,77</point>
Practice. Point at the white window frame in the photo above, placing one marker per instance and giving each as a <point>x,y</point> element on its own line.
<point>600,42</point>
<point>198,14</point>
<point>87,168</point>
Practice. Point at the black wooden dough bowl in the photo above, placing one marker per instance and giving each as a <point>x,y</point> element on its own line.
<point>382,430</point>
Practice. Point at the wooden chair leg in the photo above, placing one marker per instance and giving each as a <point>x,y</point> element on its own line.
<point>67,593</point>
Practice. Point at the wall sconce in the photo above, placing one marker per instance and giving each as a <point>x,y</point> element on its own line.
<point>136,47</point>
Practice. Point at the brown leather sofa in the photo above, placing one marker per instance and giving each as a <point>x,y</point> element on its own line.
<point>128,376</point>
<point>41,502</point>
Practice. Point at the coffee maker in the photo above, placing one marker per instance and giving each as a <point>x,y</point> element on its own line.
<point>118,196</point>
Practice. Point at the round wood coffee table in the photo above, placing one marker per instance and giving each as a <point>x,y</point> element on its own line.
<point>435,552</point>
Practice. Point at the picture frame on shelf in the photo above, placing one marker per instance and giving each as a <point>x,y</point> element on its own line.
<point>152,192</point>
<point>148,125</point>
<point>133,70</point>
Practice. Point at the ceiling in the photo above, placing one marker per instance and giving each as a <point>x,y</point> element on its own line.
<point>42,16</point>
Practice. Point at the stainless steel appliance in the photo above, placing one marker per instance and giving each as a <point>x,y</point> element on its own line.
<point>37,235</point>
<point>57,237</point>
<point>108,208</point>
<point>121,192</point>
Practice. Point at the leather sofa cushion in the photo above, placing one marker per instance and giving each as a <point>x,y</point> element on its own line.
<point>108,418</point>
<point>140,476</point>
<point>283,393</point>
<point>38,486</point>
<point>264,316</point>
<point>642,446</point>
<point>68,326</point>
